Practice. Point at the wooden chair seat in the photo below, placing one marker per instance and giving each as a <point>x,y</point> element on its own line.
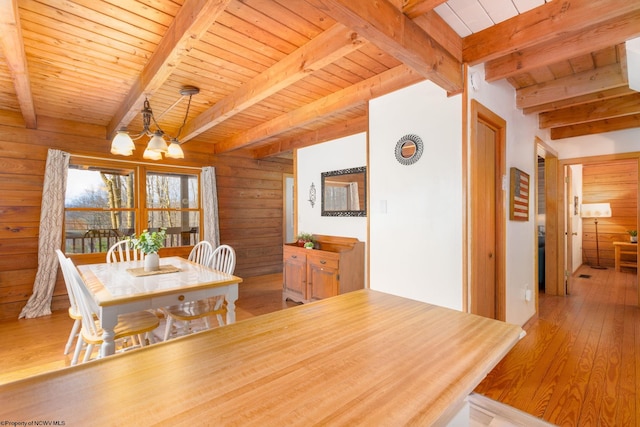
<point>223,258</point>
<point>129,324</point>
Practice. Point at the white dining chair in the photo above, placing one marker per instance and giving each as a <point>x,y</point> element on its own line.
<point>222,259</point>
<point>74,311</point>
<point>121,251</point>
<point>140,324</point>
<point>201,253</point>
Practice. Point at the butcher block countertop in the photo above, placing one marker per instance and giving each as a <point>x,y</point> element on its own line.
<point>363,357</point>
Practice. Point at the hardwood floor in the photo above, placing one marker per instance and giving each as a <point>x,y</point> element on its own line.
<point>578,365</point>
<point>33,346</point>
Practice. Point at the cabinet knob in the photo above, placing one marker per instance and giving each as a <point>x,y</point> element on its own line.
<point>323,261</point>
<point>294,256</point>
<point>181,298</point>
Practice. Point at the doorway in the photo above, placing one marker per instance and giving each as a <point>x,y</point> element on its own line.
<point>488,221</point>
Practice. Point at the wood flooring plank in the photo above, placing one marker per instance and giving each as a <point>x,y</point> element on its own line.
<point>626,395</point>
<point>579,363</point>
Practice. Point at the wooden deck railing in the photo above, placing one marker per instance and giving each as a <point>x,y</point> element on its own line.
<point>100,240</point>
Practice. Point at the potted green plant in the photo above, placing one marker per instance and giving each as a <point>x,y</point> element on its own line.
<point>302,239</point>
<point>149,243</point>
<point>634,235</point>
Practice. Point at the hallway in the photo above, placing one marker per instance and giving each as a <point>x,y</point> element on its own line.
<point>579,364</point>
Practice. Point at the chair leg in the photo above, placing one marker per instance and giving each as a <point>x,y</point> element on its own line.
<point>167,330</point>
<point>87,352</point>
<point>76,354</point>
<point>220,321</point>
<point>72,335</point>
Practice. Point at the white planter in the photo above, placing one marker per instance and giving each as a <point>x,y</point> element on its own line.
<point>634,239</point>
<point>151,262</point>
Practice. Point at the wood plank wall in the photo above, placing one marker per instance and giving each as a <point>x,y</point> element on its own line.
<point>250,203</point>
<point>615,182</point>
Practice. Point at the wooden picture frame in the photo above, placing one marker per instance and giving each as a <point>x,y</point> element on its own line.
<point>519,195</point>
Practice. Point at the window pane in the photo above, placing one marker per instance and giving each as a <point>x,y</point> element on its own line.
<point>99,206</point>
<point>184,229</point>
<point>91,231</point>
<point>172,191</point>
<point>94,188</point>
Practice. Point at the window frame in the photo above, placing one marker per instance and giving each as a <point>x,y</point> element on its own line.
<point>140,171</point>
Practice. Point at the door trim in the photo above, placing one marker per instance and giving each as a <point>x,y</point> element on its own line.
<point>481,113</point>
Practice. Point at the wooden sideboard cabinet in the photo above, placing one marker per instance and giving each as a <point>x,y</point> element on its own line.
<point>336,267</point>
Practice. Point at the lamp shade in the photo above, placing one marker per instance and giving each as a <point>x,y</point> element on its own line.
<point>175,151</point>
<point>595,210</point>
<point>122,144</point>
<point>151,155</point>
<point>157,143</point>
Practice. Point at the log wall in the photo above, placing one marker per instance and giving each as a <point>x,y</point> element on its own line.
<point>250,204</point>
<point>615,182</point>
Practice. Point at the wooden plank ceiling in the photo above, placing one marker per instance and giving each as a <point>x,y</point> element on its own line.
<point>278,74</point>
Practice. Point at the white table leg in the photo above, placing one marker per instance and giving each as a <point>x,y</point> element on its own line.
<point>108,321</point>
<point>231,297</point>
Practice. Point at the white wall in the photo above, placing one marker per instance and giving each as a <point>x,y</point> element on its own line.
<point>499,97</point>
<point>624,141</point>
<point>343,153</point>
<point>416,241</point>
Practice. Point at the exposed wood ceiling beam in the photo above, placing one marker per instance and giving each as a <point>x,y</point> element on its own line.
<point>13,48</point>
<point>584,83</point>
<point>577,43</point>
<point>547,22</point>
<point>578,100</point>
<point>340,130</point>
<point>414,8</point>
<point>441,32</point>
<point>601,110</point>
<point>599,126</point>
<point>388,28</point>
<point>331,45</point>
<point>191,22</point>
<point>359,93</point>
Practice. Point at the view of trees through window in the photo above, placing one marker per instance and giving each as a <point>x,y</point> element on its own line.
<point>101,207</point>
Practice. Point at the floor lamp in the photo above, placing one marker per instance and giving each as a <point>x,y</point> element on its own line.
<point>595,211</point>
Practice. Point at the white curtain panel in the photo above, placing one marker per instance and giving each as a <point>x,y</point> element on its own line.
<point>50,234</point>
<point>354,200</point>
<point>210,205</point>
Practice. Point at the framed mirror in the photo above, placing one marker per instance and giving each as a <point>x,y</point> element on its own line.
<point>344,192</point>
<point>409,149</point>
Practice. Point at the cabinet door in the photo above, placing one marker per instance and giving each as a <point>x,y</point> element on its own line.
<point>295,276</point>
<point>322,277</point>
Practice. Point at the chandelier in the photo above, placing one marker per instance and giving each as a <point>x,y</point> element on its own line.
<point>123,145</point>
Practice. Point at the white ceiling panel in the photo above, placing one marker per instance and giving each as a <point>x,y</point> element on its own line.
<point>454,21</point>
<point>471,13</point>
<point>525,5</point>
<point>499,10</point>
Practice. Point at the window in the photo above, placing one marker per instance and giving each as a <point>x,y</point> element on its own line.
<point>105,202</point>
<point>172,203</point>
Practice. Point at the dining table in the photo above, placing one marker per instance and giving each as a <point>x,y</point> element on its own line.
<point>360,358</point>
<point>124,287</point>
